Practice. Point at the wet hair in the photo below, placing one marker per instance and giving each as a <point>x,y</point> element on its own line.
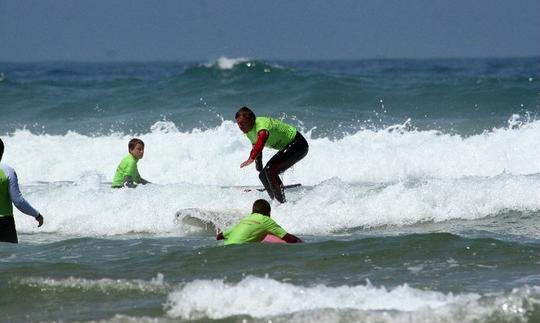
<point>244,111</point>
<point>1,148</point>
<point>134,142</point>
<point>262,207</point>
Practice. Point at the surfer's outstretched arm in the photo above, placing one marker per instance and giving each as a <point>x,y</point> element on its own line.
<point>16,196</point>
<point>15,193</point>
<point>291,238</point>
<point>262,136</point>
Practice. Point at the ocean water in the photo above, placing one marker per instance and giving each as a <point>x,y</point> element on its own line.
<point>420,196</point>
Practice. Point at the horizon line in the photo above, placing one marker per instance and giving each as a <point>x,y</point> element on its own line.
<point>376,58</point>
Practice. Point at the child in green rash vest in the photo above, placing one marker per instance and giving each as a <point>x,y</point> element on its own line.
<point>254,227</point>
<point>11,194</point>
<point>268,132</point>
<point>127,174</point>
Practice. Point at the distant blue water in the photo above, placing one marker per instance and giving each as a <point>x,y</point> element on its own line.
<point>420,199</point>
<point>463,96</point>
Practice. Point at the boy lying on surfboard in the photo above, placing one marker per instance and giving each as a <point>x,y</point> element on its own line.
<point>255,227</point>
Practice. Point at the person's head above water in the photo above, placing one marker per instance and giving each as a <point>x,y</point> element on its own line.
<point>136,148</point>
<point>1,148</point>
<point>245,118</point>
<point>262,207</point>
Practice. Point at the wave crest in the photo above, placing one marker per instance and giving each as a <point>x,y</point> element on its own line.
<point>267,298</point>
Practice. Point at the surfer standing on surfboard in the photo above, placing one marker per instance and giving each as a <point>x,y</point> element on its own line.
<point>269,132</point>
<point>255,227</point>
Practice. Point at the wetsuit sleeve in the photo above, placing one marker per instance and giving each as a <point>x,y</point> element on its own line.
<point>262,136</point>
<point>16,195</point>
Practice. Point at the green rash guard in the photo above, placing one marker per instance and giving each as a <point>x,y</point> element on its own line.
<point>6,209</point>
<point>127,167</point>
<point>253,228</point>
<point>280,133</point>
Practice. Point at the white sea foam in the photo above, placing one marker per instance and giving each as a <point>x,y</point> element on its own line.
<point>366,179</point>
<point>213,156</point>
<point>268,298</point>
<point>156,285</point>
<point>335,206</point>
<point>88,208</point>
<point>226,63</point>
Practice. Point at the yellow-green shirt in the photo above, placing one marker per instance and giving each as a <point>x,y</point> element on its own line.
<point>6,209</point>
<point>280,134</point>
<point>127,167</point>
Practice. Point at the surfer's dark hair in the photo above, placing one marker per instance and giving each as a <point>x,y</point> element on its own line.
<point>262,207</point>
<point>134,142</point>
<point>1,148</point>
<point>245,110</point>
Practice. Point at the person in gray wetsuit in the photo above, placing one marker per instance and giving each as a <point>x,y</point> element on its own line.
<point>11,194</point>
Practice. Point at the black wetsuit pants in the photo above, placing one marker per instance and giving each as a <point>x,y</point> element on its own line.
<point>280,162</point>
<point>7,229</point>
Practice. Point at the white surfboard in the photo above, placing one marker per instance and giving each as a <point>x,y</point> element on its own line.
<point>260,188</point>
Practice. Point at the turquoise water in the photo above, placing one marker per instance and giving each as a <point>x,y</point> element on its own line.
<point>466,96</point>
<point>420,197</point>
